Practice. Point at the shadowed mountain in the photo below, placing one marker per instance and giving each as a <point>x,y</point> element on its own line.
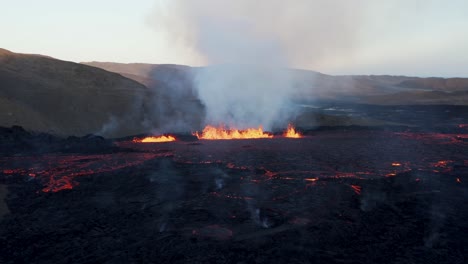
<point>175,104</point>
<point>314,86</point>
<point>437,84</point>
<point>65,98</point>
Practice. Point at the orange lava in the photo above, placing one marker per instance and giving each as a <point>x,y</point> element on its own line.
<point>214,133</point>
<point>291,132</point>
<point>58,172</point>
<point>65,183</point>
<point>442,163</point>
<point>155,139</point>
<point>311,179</point>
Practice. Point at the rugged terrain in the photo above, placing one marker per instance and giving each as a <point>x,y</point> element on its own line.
<point>335,196</point>
<point>368,183</point>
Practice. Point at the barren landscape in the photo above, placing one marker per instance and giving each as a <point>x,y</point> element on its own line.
<point>234,132</point>
<point>375,173</point>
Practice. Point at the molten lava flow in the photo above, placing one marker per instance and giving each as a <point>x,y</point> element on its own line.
<point>213,133</point>
<point>156,139</point>
<point>357,189</point>
<point>311,179</point>
<point>291,132</point>
<point>442,163</point>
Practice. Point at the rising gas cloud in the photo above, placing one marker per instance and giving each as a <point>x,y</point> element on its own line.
<point>249,44</point>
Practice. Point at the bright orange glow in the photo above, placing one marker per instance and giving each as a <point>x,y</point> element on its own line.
<point>156,139</point>
<point>396,164</point>
<point>291,132</point>
<point>310,179</point>
<point>213,133</point>
<point>442,163</point>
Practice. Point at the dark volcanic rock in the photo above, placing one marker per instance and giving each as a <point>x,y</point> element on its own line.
<point>16,140</point>
<point>356,196</point>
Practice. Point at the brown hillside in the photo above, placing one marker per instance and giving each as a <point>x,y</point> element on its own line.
<point>65,98</point>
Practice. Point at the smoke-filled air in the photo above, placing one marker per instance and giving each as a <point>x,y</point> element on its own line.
<point>249,45</point>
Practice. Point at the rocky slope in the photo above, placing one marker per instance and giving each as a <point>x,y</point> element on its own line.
<point>64,98</point>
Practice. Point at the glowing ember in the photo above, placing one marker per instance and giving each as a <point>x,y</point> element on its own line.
<point>357,189</point>
<point>458,180</point>
<point>442,163</point>
<point>310,179</point>
<point>213,133</point>
<point>291,132</point>
<point>65,183</point>
<point>156,139</point>
<point>270,174</point>
<point>396,164</point>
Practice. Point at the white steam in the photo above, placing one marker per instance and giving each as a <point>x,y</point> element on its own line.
<point>244,96</point>
<point>300,33</point>
<point>252,43</point>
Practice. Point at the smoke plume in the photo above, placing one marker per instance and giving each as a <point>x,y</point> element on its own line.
<point>249,45</point>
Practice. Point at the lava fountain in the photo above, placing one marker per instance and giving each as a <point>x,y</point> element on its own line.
<point>215,133</point>
<point>291,132</point>
<point>155,139</point>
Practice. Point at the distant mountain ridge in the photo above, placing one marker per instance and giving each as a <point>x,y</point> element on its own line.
<point>114,100</point>
<point>311,85</point>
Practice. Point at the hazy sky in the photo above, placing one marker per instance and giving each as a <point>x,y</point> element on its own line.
<point>400,37</point>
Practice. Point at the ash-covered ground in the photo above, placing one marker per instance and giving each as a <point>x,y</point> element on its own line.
<point>335,196</point>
